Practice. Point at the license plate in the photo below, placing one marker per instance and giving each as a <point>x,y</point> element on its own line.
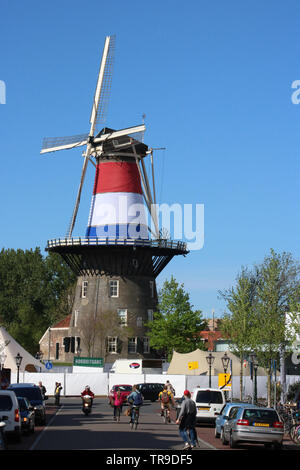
<point>265,425</point>
<point>202,408</point>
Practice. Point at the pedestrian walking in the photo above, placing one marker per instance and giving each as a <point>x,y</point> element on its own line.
<point>118,403</point>
<point>187,421</point>
<point>43,390</point>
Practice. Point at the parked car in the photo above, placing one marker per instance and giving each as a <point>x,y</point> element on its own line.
<point>223,415</point>
<point>125,390</point>
<point>33,393</point>
<point>27,415</point>
<point>10,414</point>
<point>209,402</point>
<point>150,391</point>
<point>2,436</point>
<point>253,424</point>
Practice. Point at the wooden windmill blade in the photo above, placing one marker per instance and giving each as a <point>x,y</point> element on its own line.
<point>99,108</point>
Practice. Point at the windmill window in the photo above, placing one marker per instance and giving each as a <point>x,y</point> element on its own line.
<point>112,344</point>
<point>150,315</point>
<point>132,345</point>
<point>151,283</point>
<point>146,345</point>
<point>84,289</point>
<point>114,288</point>
<point>122,314</point>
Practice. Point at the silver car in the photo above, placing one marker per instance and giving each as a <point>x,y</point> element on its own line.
<point>253,424</point>
<point>224,414</point>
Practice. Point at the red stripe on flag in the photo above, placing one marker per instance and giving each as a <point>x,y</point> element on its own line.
<point>114,177</point>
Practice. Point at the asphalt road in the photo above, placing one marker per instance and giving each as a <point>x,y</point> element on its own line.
<point>69,429</point>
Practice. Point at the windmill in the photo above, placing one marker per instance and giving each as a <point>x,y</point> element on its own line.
<point>105,142</point>
<point>116,261</point>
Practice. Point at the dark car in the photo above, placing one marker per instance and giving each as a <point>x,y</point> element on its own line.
<point>150,391</point>
<point>33,393</point>
<point>27,415</point>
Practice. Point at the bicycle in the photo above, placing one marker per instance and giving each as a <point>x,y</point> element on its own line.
<point>135,414</point>
<point>166,415</point>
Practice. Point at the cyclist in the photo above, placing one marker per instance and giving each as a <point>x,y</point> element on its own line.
<point>135,400</point>
<point>166,398</point>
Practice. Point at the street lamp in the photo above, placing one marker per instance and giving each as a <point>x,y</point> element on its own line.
<point>18,360</point>
<point>210,359</point>
<point>225,361</point>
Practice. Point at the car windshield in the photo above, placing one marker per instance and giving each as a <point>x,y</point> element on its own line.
<point>260,415</point>
<point>209,396</point>
<point>30,393</point>
<point>123,388</point>
<point>5,403</point>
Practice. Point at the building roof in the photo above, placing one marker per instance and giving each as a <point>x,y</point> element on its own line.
<point>64,323</point>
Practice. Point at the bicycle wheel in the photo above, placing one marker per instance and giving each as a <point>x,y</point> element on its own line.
<point>295,433</point>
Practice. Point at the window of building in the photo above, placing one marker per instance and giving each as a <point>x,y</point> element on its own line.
<point>139,322</point>
<point>151,283</point>
<point>76,315</point>
<point>114,288</point>
<point>112,344</point>
<point>132,345</point>
<point>146,345</point>
<point>84,287</point>
<point>150,314</point>
<point>122,314</point>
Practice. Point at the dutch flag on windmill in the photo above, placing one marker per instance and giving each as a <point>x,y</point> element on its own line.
<point>117,209</point>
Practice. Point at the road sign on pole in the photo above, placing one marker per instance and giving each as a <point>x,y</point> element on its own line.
<point>224,381</point>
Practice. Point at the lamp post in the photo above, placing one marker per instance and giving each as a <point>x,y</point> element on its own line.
<point>255,366</point>
<point>18,360</point>
<point>225,362</point>
<point>210,359</point>
<point>252,362</point>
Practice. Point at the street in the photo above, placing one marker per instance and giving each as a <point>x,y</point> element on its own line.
<point>69,429</point>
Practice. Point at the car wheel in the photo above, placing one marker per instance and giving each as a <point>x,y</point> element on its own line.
<point>223,439</point>
<point>232,442</point>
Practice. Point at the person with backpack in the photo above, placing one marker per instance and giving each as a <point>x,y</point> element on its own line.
<point>166,399</point>
<point>135,400</point>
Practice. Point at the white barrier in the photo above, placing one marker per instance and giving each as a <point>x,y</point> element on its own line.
<point>74,383</point>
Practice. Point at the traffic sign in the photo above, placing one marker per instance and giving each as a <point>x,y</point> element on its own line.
<point>224,381</point>
<point>48,365</point>
<point>193,365</point>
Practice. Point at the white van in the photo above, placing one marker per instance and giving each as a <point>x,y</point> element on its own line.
<point>10,413</point>
<point>209,402</point>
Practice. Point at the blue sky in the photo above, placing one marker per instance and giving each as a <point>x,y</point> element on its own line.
<point>214,80</point>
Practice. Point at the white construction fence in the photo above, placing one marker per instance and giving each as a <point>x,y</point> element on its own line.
<point>100,383</point>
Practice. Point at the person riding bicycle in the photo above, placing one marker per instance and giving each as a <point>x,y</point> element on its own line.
<point>166,398</point>
<point>135,400</point>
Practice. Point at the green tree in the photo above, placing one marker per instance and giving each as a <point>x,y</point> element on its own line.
<point>238,325</point>
<point>32,288</point>
<point>175,326</point>
<point>277,287</point>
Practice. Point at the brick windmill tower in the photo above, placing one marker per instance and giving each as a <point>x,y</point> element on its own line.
<point>120,256</point>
